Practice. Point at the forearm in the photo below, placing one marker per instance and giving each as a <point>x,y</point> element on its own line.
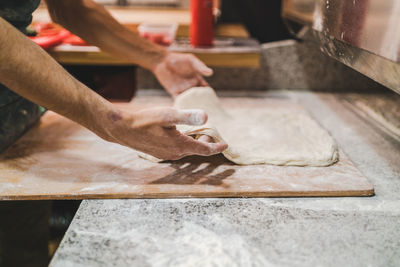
<point>32,73</point>
<point>94,24</point>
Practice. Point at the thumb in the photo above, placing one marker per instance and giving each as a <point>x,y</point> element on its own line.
<point>201,67</point>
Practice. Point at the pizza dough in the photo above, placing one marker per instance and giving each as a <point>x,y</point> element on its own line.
<point>270,134</point>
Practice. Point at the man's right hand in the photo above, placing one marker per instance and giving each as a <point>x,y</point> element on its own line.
<point>153,131</point>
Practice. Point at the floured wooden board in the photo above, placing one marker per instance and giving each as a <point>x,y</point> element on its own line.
<point>59,159</point>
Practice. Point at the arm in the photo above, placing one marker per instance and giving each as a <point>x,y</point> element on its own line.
<point>32,73</point>
<point>91,21</point>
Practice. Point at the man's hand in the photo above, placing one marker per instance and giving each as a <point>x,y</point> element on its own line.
<point>153,131</point>
<point>22,65</point>
<point>178,72</point>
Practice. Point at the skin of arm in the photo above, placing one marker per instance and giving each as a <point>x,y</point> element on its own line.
<point>93,23</point>
<point>30,72</point>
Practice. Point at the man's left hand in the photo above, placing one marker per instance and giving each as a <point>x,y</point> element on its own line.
<point>178,72</point>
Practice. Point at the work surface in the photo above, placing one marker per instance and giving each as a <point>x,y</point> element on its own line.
<point>255,231</point>
<point>60,159</point>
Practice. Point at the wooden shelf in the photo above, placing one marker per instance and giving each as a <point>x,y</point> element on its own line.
<point>239,53</point>
<point>132,17</point>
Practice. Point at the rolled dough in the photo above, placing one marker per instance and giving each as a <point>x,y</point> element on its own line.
<point>268,135</point>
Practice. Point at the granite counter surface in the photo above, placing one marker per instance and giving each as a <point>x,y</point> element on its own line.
<point>255,232</point>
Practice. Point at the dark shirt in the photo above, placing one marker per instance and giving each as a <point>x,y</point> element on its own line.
<point>16,113</point>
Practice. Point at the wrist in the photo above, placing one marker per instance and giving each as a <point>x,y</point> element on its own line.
<point>157,59</point>
<point>110,123</point>
<point>154,56</point>
<point>102,118</point>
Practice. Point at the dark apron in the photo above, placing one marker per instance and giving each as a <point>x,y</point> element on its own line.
<point>17,114</point>
<point>24,228</point>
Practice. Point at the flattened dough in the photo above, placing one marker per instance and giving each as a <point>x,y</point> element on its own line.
<point>267,135</point>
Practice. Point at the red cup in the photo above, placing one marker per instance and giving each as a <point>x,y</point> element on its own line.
<point>201,28</point>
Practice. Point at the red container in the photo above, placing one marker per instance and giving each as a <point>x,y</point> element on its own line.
<point>201,28</point>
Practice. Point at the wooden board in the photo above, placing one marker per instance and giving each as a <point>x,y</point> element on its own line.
<point>59,159</point>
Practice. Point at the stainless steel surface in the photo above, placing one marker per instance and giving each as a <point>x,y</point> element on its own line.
<point>380,110</point>
<point>362,34</point>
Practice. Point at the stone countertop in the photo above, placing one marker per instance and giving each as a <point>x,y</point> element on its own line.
<point>255,231</point>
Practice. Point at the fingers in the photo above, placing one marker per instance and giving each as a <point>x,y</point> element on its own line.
<point>202,82</point>
<point>201,67</point>
<point>187,145</point>
<point>205,138</point>
<point>206,149</point>
<point>184,117</point>
<point>168,117</point>
<point>187,84</point>
<point>190,146</point>
<point>160,137</point>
